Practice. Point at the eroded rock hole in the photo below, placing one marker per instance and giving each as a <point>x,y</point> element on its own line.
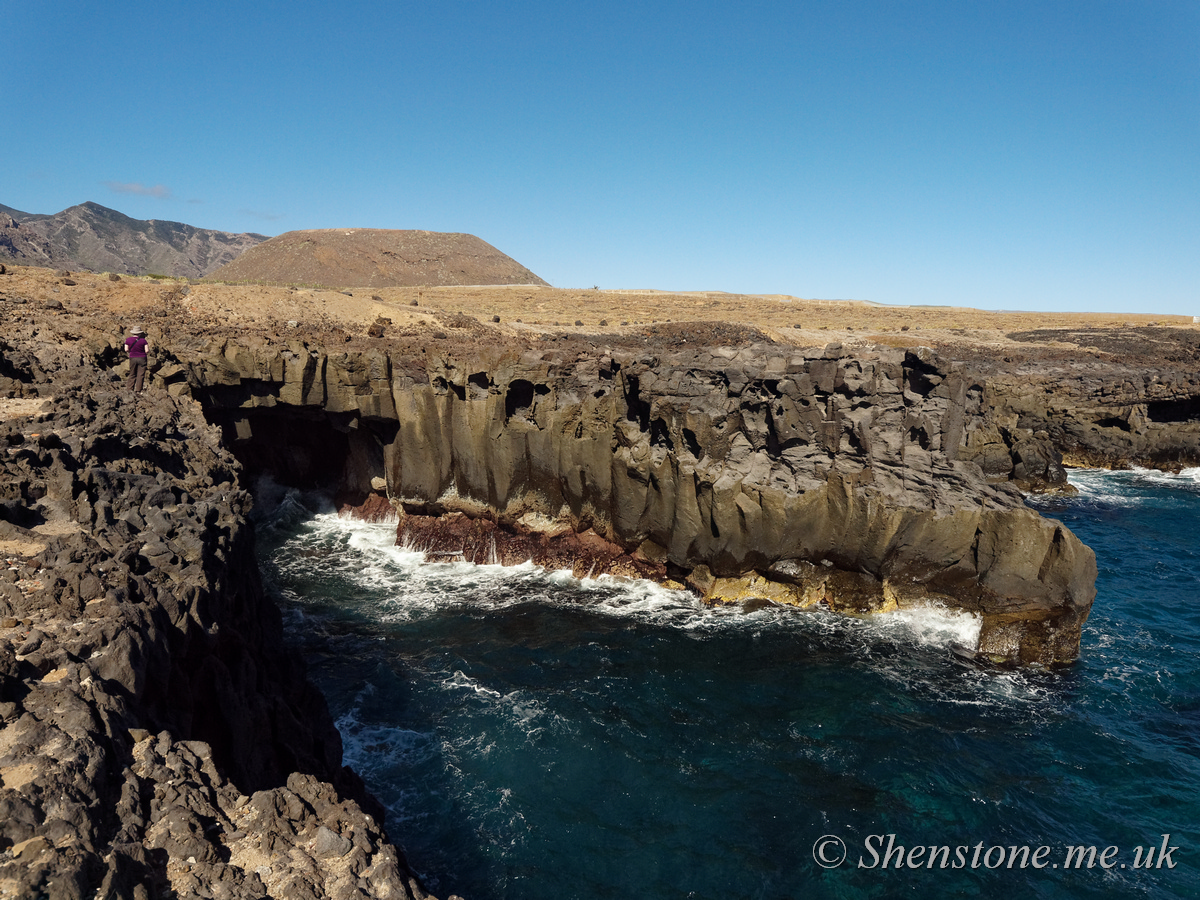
<point>1184,410</point>
<point>660,434</point>
<point>518,400</point>
<point>636,409</point>
<point>922,377</point>
<point>479,384</point>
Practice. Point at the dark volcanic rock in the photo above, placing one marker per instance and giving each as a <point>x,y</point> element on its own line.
<point>158,738</point>
<point>1132,399</point>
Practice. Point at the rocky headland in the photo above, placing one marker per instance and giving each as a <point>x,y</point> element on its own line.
<point>822,478</point>
<point>157,733</point>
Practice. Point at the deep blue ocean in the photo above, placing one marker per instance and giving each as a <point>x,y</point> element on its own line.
<point>534,736</point>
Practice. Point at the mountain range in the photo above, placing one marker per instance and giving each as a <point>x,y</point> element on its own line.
<point>95,238</point>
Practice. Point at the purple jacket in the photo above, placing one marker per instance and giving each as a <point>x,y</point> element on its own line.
<point>135,344</point>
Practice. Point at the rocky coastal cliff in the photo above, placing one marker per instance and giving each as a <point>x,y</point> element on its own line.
<point>1108,398</point>
<point>828,477</point>
<point>158,739</point>
<point>157,735</point>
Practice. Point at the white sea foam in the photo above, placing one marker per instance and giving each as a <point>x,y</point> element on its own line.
<point>410,589</point>
<point>381,746</point>
<point>518,709</point>
<point>461,681</point>
<point>931,626</point>
<point>1190,474</point>
<point>1122,487</point>
<point>1102,485</point>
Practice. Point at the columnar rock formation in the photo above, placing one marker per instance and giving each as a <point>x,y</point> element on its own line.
<point>814,478</point>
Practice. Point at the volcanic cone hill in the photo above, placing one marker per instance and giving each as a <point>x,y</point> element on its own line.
<point>377,258</point>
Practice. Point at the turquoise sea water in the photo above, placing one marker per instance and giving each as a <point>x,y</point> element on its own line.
<point>534,736</point>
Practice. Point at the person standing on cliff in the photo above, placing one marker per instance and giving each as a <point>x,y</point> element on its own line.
<point>137,347</point>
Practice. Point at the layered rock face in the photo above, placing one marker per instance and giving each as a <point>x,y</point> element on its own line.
<point>1100,397</point>
<point>158,739</point>
<point>814,478</point>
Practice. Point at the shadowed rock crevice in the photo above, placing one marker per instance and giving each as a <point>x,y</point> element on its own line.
<point>1173,411</point>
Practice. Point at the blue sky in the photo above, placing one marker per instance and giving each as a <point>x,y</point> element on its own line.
<point>1002,155</point>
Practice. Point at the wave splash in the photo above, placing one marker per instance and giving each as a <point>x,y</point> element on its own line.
<point>406,588</point>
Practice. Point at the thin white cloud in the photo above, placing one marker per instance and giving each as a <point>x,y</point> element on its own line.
<point>266,217</point>
<point>120,187</point>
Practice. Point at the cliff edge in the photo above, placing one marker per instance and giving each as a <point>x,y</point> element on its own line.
<point>819,478</point>
<point>158,739</point>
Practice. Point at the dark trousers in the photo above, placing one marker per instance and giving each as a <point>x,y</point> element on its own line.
<point>137,372</point>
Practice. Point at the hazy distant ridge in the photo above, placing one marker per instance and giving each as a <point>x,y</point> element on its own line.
<point>92,237</point>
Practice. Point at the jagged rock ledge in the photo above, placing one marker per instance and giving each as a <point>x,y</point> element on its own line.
<point>158,739</point>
